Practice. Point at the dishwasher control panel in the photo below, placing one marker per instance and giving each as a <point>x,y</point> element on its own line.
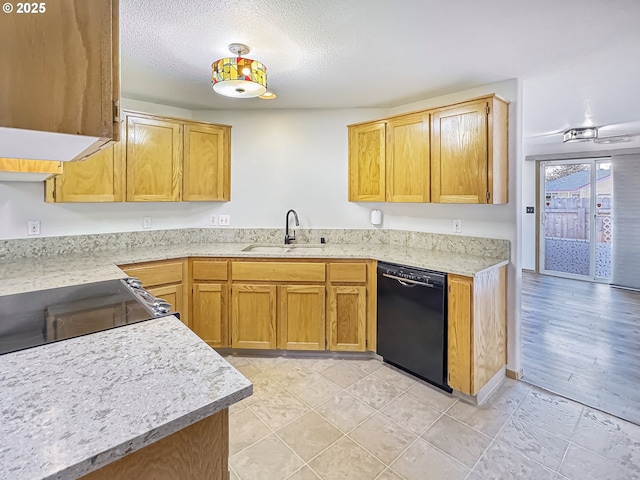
<point>413,274</point>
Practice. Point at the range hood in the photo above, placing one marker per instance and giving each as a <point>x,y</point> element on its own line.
<point>20,170</point>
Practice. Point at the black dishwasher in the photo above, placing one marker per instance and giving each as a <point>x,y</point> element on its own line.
<point>412,321</point>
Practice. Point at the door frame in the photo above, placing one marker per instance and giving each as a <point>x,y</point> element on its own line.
<point>540,230</point>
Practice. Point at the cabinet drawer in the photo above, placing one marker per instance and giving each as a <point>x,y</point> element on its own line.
<point>209,270</point>
<point>348,272</point>
<point>278,271</point>
<point>157,273</point>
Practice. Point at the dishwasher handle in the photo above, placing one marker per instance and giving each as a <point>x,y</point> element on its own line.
<point>408,283</point>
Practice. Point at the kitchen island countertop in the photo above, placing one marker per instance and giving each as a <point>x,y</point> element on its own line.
<point>104,395</point>
<point>38,273</point>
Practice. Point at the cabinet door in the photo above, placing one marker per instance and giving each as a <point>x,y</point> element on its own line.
<point>301,319</point>
<point>154,160</point>
<point>209,318</point>
<point>98,178</point>
<point>347,318</point>
<point>206,163</point>
<point>408,167</point>
<point>460,353</point>
<point>174,295</point>
<point>253,317</point>
<point>60,68</point>
<point>367,162</point>
<point>459,169</point>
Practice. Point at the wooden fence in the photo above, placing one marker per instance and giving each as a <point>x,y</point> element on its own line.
<point>569,218</point>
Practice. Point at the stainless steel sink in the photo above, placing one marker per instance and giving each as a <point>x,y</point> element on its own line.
<point>282,249</point>
<point>266,249</point>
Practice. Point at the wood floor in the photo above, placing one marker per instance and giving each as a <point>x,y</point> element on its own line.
<point>582,341</point>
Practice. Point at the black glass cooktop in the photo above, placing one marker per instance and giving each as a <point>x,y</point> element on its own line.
<point>36,318</point>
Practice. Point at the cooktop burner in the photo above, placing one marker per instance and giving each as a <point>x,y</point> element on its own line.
<point>36,318</point>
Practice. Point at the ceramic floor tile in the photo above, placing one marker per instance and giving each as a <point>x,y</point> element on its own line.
<point>305,473</point>
<point>488,420</point>
<point>374,392</point>
<point>344,411</point>
<point>309,435</point>
<point>367,365</point>
<point>249,370</point>
<point>533,442</point>
<point>279,409</point>
<point>264,363</point>
<point>458,440</point>
<point>314,389</point>
<point>245,429</point>
<point>389,474</point>
<point>422,460</point>
<point>509,395</point>
<point>343,374</point>
<point>411,413</point>
<point>269,459</point>
<point>501,462</point>
<point>287,374</point>
<point>431,395</point>
<point>317,364</point>
<point>381,436</point>
<point>475,476</point>
<point>610,437</point>
<point>236,361</point>
<point>345,460</point>
<point>237,407</point>
<point>549,412</point>
<point>581,464</point>
<point>263,387</point>
<point>394,377</point>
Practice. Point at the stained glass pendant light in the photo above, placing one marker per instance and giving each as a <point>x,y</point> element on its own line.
<point>239,77</point>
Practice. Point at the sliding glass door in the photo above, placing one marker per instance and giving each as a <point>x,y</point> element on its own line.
<point>575,221</point>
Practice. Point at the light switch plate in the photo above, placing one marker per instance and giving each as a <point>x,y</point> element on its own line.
<point>146,222</point>
<point>457,226</point>
<point>225,220</point>
<point>33,227</point>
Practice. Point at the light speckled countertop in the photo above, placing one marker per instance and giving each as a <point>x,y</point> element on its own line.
<point>30,274</point>
<point>71,407</point>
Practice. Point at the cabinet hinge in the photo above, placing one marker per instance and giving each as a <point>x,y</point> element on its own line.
<point>488,109</point>
<point>488,196</point>
<point>116,111</point>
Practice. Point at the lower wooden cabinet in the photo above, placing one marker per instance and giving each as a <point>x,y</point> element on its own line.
<point>173,294</point>
<point>476,329</point>
<point>209,313</point>
<point>253,316</point>
<point>347,318</point>
<point>301,317</point>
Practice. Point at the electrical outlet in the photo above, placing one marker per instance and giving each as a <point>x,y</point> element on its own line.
<point>33,227</point>
<point>225,220</point>
<point>213,220</point>
<point>146,222</point>
<point>457,226</point>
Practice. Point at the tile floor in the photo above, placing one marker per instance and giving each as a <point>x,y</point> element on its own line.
<point>333,419</point>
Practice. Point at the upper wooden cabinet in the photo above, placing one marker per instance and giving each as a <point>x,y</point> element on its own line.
<point>389,160</point>
<point>453,154</point>
<point>206,169</point>
<point>153,159</point>
<point>158,160</point>
<point>408,159</point>
<point>469,153</point>
<point>98,178</point>
<point>170,160</point>
<point>367,162</point>
<point>60,73</point>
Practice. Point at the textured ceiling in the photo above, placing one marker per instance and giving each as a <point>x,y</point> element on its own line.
<point>359,53</point>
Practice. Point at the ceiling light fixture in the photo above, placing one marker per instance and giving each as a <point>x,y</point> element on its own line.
<point>580,134</point>
<point>239,77</point>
